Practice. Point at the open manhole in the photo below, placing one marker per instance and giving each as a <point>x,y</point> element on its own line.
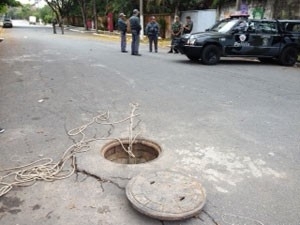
<point>142,149</point>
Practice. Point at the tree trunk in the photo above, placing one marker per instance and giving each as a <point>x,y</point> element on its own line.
<point>95,16</point>
<point>82,4</point>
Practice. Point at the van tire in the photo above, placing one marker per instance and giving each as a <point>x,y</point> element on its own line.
<point>288,56</point>
<point>211,55</point>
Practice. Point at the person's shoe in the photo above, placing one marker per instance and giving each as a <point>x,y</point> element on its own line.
<point>2,130</point>
<point>137,54</point>
<point>170,51</point>
<point>155,51</point>
<point>124,51</point>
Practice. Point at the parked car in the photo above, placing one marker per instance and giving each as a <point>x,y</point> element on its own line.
<point>7,23</point>
<point>268,40</point>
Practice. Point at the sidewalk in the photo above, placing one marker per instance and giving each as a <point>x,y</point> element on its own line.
<point>116,35</point>
<point>1,38</point>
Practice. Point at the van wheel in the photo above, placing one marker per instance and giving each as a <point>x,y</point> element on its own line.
<point>211,55</point>
<point>288,56</point>
<point>193,57</point>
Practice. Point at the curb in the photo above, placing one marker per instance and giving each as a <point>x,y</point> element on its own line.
<point>116,35</point>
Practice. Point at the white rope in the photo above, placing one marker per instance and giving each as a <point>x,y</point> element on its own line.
<point>46,170</point>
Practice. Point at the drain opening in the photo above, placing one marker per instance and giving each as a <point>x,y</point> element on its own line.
<point>143,150</point>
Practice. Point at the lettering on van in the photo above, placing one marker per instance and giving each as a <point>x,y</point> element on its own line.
<point>241,44</point>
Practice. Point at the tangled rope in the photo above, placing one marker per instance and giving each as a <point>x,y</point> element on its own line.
<point>46,170</point>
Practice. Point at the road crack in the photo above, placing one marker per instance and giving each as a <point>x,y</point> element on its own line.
<point>210,217</point>
<point>98,178</point>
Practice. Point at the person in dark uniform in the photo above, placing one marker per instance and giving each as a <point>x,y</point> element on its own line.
<point>61,24</point>
<point>152,31</point>
<point>135,27</point>
<point>188,27</point>
<point>54,22</point>
<point>122,25</point>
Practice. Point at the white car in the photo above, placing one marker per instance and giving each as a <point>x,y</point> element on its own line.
<point>7,23</point>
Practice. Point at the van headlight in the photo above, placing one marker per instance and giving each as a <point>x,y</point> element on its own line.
<point>191,41</point>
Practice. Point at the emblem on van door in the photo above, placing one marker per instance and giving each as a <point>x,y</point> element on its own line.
<point>243,37</point>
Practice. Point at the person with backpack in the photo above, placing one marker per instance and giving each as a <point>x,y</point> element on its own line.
<point>152,31</point>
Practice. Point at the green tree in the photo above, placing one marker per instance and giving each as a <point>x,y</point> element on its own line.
<point>61,8</point>
<point>22,12</point>
<point>4,4</point>
<point>26,11</point>
<point>46,14</point>
<point>84,11</point>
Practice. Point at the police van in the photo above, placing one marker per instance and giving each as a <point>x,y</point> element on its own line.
<point>268,40</point>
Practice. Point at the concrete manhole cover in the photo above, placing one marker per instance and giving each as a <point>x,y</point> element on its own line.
<point>144,151</point>
<point>166,195</point>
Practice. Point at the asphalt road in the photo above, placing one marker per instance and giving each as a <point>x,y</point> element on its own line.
<point>234,126</point>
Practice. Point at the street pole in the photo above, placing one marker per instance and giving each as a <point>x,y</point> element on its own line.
<point>141,20</point>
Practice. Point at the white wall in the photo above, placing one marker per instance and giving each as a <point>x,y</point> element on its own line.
<point>202,19</point>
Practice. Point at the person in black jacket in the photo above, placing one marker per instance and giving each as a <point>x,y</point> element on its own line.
<point>188,27</point>
<point>152,31</point>
<point>122,25</point>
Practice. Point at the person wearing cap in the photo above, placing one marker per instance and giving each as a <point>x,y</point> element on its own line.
<point>135,27</point>
<point>152,31</point>
<point>122,25</point>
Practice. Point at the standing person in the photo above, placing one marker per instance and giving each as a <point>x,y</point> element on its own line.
<point>176,30</point>
<point>122,25</point>
<point>61,24</point>
<point>54,22</point>
<point>152,31</point>
<point>188,27</point>
<point>135,27</point>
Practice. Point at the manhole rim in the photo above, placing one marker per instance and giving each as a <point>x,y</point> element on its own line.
<point>140,140</point>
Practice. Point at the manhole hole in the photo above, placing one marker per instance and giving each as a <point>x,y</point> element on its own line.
<point>166,195</point>
<point>143,150</point>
